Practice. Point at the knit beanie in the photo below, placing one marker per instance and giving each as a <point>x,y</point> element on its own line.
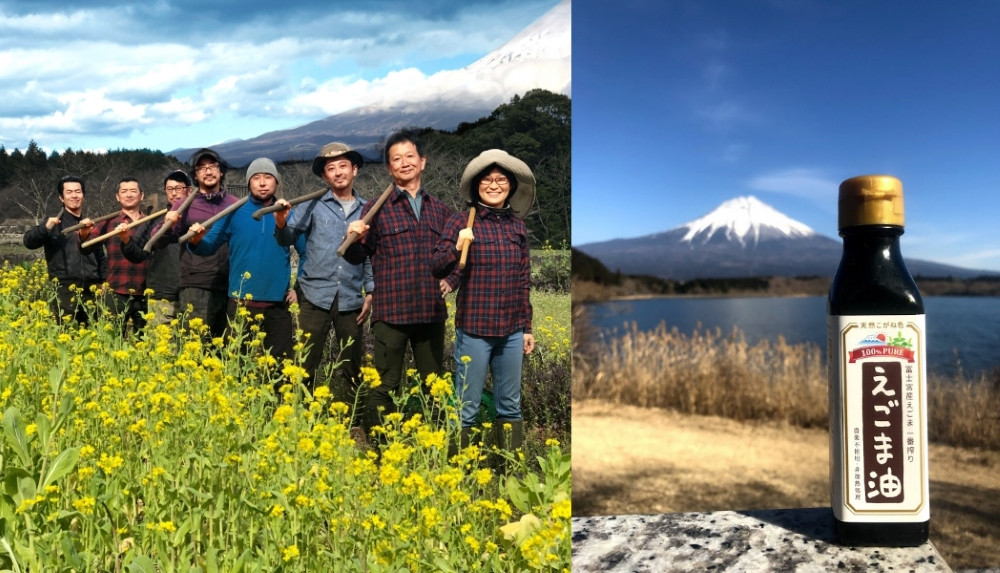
<point>263,165</point>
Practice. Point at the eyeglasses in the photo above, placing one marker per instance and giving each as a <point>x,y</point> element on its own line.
<point>500,181</point>
<point>207,168</point>
<point>178,188</point>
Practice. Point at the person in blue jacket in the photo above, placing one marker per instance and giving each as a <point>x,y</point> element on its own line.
<point>260,270</point>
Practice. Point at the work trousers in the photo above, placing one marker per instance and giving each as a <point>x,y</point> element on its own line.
<point>345,382</point>
<point>73,304</point>
<point>208,305</point>
<point>427,343</point>
<point>126,307</point>
<point>276,324</point>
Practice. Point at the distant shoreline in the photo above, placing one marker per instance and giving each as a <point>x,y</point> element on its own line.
<point>639,288</point>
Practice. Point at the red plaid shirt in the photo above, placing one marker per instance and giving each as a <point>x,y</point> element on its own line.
<point>124,276</point>
<point>400,248</point>
<point>495,285</point>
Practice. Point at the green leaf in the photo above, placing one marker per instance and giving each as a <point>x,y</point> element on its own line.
<point>142,564</point>
<point>26,489</point>
<point>441,563</point>
<point>62,465</point>
<point>44,428</point>
<point>55,379</point>
<point>211,561</point>
<point>518,495</point>
<point>178,537</point>
<point>17,438</point>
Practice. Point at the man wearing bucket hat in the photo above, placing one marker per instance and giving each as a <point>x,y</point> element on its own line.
<point>331,291</point>
<point>408,305</point>
<point>164,260</point>
<point>260,270</point>
<point>203,280</point>
<point>493,315</point>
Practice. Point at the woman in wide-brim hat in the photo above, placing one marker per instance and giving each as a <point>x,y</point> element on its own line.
<point>493,316</point>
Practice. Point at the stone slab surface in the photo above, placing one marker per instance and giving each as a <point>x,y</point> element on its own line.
<point>765,540</point>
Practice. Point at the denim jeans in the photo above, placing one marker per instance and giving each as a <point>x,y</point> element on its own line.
<point>503,355</point>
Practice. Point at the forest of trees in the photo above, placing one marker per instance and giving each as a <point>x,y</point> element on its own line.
<point>534,126</point>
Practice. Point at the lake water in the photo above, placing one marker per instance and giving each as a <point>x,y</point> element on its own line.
<point>965,329</point>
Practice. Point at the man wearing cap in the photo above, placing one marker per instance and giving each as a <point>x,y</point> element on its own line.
<point>66,263</point>
<point>203,280</point>
<point>493,307</point>
<point>260,270</point>
<point>165,257</point>
<point>408,306</point>
<point>332,291</point>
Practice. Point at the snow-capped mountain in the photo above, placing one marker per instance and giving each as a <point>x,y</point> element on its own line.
<point>538,57</point>
<point>745,220</point>
<point>742,237</point>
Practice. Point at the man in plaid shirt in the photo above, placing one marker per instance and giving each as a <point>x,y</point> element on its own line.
<point>127,280</point>
<point>408,304</point>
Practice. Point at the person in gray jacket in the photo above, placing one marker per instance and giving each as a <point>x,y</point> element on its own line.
<point>330,290</point>
<point>66,263</point>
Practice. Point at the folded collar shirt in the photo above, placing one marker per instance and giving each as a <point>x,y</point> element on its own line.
<point>324,276</point>
<point>400,247</point>
<point>124,276</point>
<point>494,288</point>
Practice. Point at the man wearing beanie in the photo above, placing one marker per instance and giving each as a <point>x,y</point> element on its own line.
<point>260,270</point>
<point>165,258</point>
<point>331,291</point>
<point>203,280</point>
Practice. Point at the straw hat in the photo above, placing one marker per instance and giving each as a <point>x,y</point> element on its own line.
<point>521,199</point>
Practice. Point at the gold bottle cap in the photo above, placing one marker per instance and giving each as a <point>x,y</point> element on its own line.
<point>870,200</point>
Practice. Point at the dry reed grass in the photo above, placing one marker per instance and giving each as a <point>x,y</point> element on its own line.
<point>709,373</point>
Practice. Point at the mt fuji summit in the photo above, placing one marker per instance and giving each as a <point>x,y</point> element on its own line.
<point>742,237</point>
<point>745,220</point>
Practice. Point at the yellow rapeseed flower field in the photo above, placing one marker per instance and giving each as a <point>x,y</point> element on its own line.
<point>169,451</point>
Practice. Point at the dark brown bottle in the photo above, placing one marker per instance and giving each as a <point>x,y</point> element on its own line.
<point>877,367</point>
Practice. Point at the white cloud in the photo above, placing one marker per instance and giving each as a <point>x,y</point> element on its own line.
<point>105,72</point>
<point>800,182</point>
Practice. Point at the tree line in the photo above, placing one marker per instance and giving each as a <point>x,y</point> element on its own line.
<point>593,281</point>
<point>534,126</point>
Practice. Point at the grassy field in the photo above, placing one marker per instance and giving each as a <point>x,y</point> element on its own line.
<point>710,372</point>
<point>172,451</point>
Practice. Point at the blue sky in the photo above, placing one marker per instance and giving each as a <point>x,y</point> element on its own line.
<point>681,104</point>
<point>169,74</point>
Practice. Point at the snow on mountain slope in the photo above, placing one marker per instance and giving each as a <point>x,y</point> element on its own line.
<point>745,220</point>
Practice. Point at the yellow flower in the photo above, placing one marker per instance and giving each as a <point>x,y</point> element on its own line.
<point>246,277</point>
<point>306,445</point>
<point>483,476</point>
<point>562,509</point>
<point>85,505</point>
<point>110,463</point>
<point>278,510</point>
<point>371,376</point>
<point>292,551</point>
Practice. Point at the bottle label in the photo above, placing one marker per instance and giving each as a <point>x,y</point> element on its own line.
<point>878,421</point>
